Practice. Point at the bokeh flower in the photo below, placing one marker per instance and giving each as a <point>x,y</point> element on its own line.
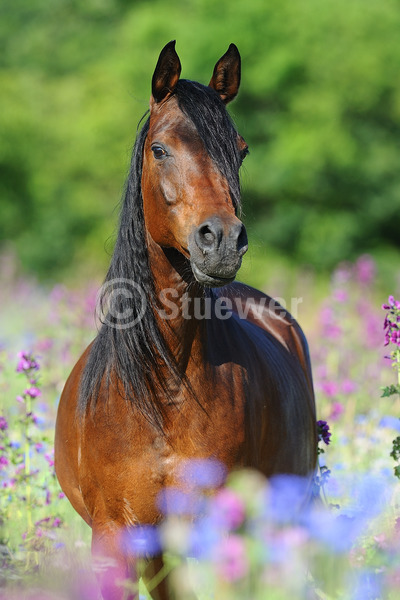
<point>141,541</point>
<point>285,498</point>
<point>390,421</point>
<point>4,462</point>
<point>231,558</point>
<point>348,386</point>
<point>365,268</point>
<point>33,392</point>
<point>330,388</point>
<point>337,409</point>
<point>174,501</point>
<point>202,473</point>
<point>227,509</point>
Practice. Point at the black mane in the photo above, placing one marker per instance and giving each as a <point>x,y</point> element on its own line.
<point>133,355</point>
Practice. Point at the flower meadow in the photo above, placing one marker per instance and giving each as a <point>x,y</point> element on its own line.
<point>244,537</point>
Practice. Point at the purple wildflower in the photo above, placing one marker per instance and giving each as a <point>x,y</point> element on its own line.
<point>45,520</point>
<point>348,386</point>
<point>26,362</point>
<point>392,304</point>
<point>203,473</point>
<point>3,461</point>
<point>33,392</point>
<point>330,329</point>
<point>330,388</point>
<point>172,500</point>
<point>365,269</point>
<point>3,423</point>
<point>49,456</point>
<point>392,318</point>
<point>340,295</point>
<point>36,419</point>
<point>45,344</point>
<point>337,410</point>
<point>323,432</point>
<point>142,540</point>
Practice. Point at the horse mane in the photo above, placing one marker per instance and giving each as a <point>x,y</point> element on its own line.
<point>130,357</point>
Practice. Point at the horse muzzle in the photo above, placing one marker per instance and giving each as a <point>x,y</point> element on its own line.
<point>216,249</point>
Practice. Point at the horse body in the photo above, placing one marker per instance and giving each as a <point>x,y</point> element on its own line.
<point>236,389</point>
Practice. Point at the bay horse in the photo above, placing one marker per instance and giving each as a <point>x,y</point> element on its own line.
<point>165,381</point>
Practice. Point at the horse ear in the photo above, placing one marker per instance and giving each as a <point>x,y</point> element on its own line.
<point>166,74</point>
<point>226,76</point>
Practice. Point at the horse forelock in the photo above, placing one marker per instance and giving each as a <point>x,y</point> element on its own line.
<point>203,106</point>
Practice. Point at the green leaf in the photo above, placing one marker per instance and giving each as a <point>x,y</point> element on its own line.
<point>395,453</point>
<point>390,390</point>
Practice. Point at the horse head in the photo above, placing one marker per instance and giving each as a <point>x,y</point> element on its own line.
<point>191,160</point>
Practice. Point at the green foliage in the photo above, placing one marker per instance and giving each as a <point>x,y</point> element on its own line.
<point>319,107</point>
<point>390,390</point>
<point>392,339</point>
<point>396,449</point>
<point>395,454</point>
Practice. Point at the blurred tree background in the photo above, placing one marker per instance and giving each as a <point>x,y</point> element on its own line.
<point>319,106</point>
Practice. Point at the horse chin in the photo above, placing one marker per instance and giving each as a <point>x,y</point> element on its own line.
<point>207,280</point>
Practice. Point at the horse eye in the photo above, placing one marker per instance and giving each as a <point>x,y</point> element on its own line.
<point>244,153</point>
<point>158,152</point>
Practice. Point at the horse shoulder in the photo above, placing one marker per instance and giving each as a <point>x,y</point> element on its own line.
<point>266,313</point>
<point>67,440</point>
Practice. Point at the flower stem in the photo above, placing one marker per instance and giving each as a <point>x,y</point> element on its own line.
<point>28,463</point>
<point>398,365</point>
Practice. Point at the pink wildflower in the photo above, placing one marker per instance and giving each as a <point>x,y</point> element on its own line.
<point>26,362</point>
<point>337,409</point>
<point>33,392</point>
<point>330,388</point>
<point>229,509</point>
<point>348,386</point>
<point>4,462</point>
<point>365,269</point>
<point>231,558</point>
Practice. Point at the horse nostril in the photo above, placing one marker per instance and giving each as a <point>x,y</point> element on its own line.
<point>242,241</point>
<point>206,234</point>
<point>208,237</point>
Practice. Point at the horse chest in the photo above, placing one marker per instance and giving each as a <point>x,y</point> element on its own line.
<point>126,463</point>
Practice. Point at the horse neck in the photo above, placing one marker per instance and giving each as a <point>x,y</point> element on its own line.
<point>173,279</point>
